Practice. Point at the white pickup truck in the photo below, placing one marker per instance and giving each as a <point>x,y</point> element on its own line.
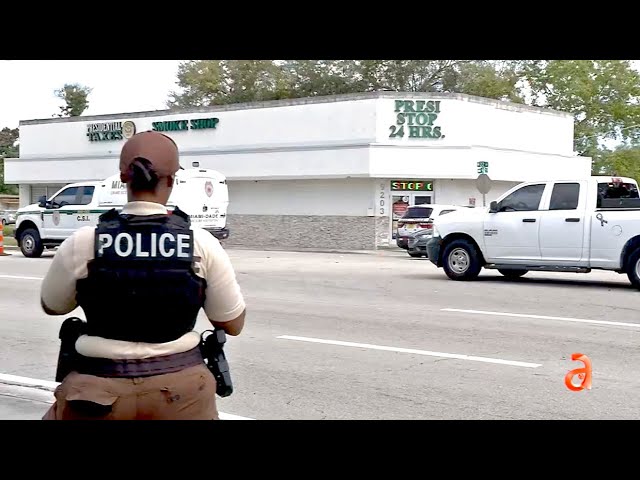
<point>551,226</point>
<point>201,193</point>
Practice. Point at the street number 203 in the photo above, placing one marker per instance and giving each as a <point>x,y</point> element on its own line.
<point>382,202</point>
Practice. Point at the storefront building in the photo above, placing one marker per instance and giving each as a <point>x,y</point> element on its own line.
<point>320,172</point>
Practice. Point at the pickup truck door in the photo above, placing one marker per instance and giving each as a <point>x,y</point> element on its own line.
<point>511,234</point>
<point>56,215</point>
<point>85,213</point>
<point>68,211</point>
<point>562,224</point>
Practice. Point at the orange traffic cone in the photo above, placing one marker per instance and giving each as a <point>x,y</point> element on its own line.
<point>2,242</point>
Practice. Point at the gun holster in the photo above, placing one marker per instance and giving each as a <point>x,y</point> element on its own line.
<point>212,348</point>
<point>71,329</point>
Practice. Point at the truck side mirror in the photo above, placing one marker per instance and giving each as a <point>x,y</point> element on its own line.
<point>42,201</point>
<point>493,207</point>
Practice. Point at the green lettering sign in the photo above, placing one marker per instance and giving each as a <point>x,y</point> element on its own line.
<point>203,123</point>
<point>107,131</point>
<point>483,167</point>
<point>180,125</point>
<point>419,117</point>
<point>411,185</point>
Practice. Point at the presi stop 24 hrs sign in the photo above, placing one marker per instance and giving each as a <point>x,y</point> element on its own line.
<point>416,119</point>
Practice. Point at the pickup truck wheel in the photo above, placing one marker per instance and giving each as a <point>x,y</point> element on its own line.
<point>31,243</point>
<point>461,260</point>
<point>633,268</point>
<point>513,273</point>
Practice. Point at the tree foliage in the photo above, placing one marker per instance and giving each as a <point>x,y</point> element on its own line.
<point>75,98</point>
<point>8,149</point>
<point>602,96</point>
<point>623,161</point>
<point>219,82</point>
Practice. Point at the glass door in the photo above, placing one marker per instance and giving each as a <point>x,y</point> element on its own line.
<point>399,205</point>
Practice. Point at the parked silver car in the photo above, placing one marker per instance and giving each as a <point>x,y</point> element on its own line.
<point>8,217</point>
<point>418,217</point>
<point>417,243</point>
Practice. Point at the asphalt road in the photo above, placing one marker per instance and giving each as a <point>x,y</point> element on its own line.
<point>384,336</point>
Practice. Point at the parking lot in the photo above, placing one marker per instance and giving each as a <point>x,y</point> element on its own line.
<point>381,335</point>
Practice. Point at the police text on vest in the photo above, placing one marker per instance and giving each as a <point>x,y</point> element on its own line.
<point>165,245</point>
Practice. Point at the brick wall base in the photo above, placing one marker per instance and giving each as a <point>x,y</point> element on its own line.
<point>296,231</point>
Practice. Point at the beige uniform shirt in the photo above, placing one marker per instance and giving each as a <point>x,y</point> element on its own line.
<point>224,300</point>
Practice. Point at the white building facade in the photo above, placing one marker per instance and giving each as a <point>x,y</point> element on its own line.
<point>320,172</point>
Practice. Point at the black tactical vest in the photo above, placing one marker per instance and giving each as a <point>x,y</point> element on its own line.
<point>141,285</point>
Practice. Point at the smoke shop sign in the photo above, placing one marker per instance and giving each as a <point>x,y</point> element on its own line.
<point>411,185</point>
<point>179,125</point>
<point>416,119</point>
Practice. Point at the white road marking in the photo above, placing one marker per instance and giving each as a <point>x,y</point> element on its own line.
<point>35,383</point>
<point>20,277</point>
<point>413,351</point>
<point>27,382</point>
<point>542,317</point>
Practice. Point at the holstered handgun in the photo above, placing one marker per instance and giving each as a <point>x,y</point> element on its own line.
<point>71,329</point>
<point>211,345</point>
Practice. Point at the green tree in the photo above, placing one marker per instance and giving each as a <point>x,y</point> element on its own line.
<point>214,82</point>
<point>602,96</point>
<point>623,161</point>
<point>8,149</point>
<point>310,78</point>
<point>481,78</point>
<point>415,75</point>
<point>75,98</point>
<point>498,80</point>
<point>219,82</point>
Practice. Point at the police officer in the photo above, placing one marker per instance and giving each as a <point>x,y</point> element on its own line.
<point>141,277</point>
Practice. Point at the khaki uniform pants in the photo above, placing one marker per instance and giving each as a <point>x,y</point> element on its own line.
<point>186,395</point>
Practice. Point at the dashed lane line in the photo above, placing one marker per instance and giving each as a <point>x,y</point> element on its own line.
<point>541,317</point>
<point>413,351</point>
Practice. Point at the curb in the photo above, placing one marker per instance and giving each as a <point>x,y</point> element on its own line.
<point>314,250</point>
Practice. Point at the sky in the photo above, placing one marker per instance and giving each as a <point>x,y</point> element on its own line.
<point>27,86</point>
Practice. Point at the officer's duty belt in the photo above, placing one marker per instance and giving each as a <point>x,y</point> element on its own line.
<point>144,367</point>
